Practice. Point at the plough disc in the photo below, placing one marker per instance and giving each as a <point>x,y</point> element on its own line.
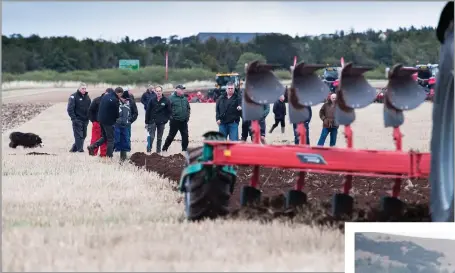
<point>261,87</point>
<point>298,115</point>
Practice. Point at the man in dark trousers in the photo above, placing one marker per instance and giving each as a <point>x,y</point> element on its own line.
<point>96,128</point>
<point>107,116</point>
<point>307,127</point>
<point>148,94</point>
<point>228,111</point>
<point>279,109</point>
<point>78,105</point>
<point>180,116</point>
<point>156,116</point>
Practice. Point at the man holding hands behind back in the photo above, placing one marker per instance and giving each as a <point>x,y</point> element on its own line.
<point>228,111</point>
<point>78,110</point>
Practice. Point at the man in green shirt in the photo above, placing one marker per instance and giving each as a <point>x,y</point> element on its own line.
<point>179,118</point>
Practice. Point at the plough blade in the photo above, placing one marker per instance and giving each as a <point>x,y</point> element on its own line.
<point>251,110</point>
<point>298,115</point>
<point>261,87</point>
<point>353,92</point>
<point>307,88</point>
<point>355,89</point>
<point>403,92</point>
<point>261,84</point>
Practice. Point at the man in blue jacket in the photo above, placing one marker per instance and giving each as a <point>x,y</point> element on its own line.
<point>107,116</point>
<point>307,127</point>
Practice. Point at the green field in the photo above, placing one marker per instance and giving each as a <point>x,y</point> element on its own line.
<point>151,74</point>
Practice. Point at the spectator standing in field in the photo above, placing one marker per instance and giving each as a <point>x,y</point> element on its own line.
<point>78,110</point>
<point>198,98</point>
<point>228,111</point>
<point>156,116</point>
<point>148,94</point>
<point>122,129</point>
<point>307,127</point>
<point>180,116</point>
<point>107,117</point>
<point>96,128</point>
<point>262,123</point>
<point>133,106</point>
<point>279,109</point>
<point>327,115</point>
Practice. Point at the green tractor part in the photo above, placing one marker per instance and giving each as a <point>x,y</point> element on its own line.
<point>207,188</point>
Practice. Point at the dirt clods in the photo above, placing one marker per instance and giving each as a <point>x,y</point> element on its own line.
<point>274,183</point>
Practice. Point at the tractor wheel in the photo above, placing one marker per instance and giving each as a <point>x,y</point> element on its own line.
<point>342,204</point>
<point>392,207</point>
<point>208,197</point>
<point>208,189</point>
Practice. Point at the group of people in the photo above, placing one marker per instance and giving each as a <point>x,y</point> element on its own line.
<point>113,113</point>
<point>229,112</point>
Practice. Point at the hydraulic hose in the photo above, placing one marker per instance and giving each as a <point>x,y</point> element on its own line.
<point>442,148</point>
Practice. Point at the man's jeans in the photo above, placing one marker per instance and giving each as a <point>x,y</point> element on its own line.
<point>333,136</point>
<point>230,129</point>
<point>296,133</point>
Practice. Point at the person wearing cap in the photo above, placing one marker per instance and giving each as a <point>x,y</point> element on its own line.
<point>77,108</point>
<point>96,128</point>
<point>148,94</point>
<point>180,116</point>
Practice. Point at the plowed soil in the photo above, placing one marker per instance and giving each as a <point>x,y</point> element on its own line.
<point>274,183</point>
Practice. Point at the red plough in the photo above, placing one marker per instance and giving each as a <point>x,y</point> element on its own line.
<point>211,167</point>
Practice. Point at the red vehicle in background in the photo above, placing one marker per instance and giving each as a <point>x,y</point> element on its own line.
<point>426,77</point>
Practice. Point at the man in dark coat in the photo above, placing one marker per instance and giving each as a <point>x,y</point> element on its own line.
<point>279,109</point>
<point>156,116</point>
<point>327,115</point>
<point>181,111</point>
<point>148,94</point>
<point>228,111</point>
<point>96,128</point>
<point>78,105</point>
<point>107,117</point>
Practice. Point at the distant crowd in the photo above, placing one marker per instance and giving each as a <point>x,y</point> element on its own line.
<point>113,113</point>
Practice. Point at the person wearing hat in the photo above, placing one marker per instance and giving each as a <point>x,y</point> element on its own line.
<point>148,94</point>
<point>180,115</point>
<point>122,130</point>
<point>78,106</point>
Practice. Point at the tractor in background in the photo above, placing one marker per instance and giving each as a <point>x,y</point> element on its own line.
<point>221,79</point>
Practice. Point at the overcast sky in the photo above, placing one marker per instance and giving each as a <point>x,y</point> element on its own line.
<point>138,20</point>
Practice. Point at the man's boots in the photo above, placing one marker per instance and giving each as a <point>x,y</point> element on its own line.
<point>282,130</point>
<point>123,156</point>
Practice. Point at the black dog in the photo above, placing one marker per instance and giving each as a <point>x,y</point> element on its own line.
<point>27,140</point>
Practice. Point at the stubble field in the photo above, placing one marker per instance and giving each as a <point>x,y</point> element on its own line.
<point>74,212</point>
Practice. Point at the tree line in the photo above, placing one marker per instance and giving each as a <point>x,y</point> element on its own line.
<point>372,48</point>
